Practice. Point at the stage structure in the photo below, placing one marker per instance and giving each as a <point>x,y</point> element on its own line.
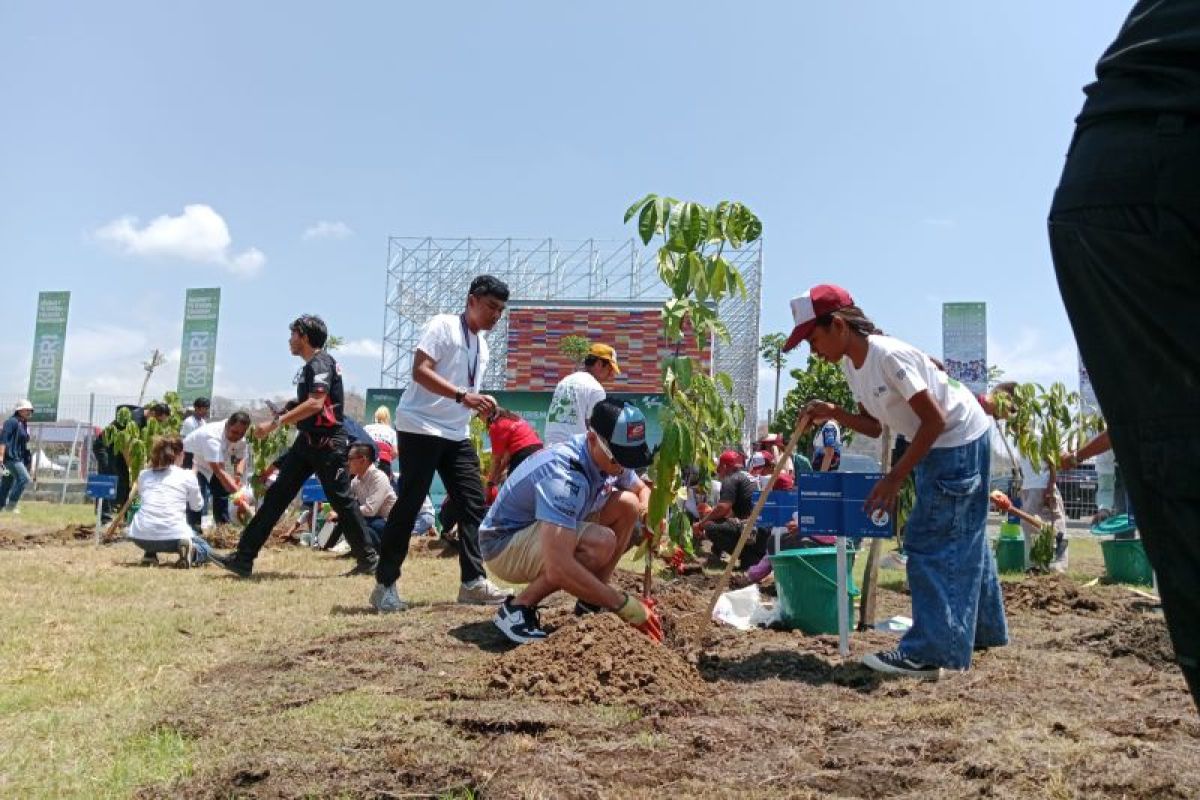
<point>596,279</point>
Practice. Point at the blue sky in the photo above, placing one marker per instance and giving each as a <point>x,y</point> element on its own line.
<point>907,151</point>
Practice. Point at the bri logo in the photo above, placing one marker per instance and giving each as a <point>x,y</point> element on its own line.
<point>635,431</point>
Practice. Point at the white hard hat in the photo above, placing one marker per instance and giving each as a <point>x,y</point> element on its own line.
<point>23,405</point>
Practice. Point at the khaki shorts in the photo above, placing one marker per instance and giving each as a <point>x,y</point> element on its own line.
<point>521,560</point>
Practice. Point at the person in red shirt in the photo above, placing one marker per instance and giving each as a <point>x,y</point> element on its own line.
<point>513,441</point>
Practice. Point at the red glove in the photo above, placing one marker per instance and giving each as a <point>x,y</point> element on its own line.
<point>1000,500</point>
<point>641,615</point>
<point>490,497</point>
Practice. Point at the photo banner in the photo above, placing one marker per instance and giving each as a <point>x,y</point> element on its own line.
<point>49,342</point>
<point>964,343</point>
<point>198,352</point>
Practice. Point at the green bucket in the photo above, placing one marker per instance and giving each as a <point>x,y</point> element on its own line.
<point>1125,561</point>
<point>1011,530</point>
<point>807,584</point>
<point>1010,554</point>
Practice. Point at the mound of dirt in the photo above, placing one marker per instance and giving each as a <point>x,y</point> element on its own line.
<point>594,659</point>
<point>71,534</point>
<point>1053,593</point>
<point>1142,636</point>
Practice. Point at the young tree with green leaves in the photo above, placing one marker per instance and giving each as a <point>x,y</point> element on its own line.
<point>771,349</point>
<point>819,380</point>
<point>700,416</point>
<point>574,347</point>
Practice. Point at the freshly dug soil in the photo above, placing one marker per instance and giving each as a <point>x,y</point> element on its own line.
<point>1142,636</point>
<point>594,659</point>
<point>1053,593</point>
<point>72,534</point>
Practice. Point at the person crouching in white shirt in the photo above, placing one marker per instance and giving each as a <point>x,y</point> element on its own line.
<point>167,491</point>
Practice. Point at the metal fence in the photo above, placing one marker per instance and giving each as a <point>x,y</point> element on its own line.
<point>62,450</point>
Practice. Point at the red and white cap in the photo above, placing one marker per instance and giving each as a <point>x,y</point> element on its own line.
<point>816,302</point>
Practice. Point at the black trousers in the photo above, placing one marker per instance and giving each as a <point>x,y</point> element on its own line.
<point>458,465</point>
<point>326,457</point>
<point>1125,236</point>
<point>724,536</point>
<point>211,489</point>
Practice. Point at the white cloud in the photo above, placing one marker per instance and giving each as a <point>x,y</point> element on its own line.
<point>1029,358</point>
<point>360,348</point>
<point>325,229</point>
<point>198,235</point>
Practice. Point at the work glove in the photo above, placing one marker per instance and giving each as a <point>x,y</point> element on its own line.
<point>490,495</point>
<point>641,615</point>
<point>1000,500</point>
<point>3,471</point>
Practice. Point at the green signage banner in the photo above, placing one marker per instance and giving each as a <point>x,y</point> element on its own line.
<point>49,341</point>
<point>198,352</point>
<point>388,398</point>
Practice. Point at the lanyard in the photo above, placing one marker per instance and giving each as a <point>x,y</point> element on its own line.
<point>472,369</point>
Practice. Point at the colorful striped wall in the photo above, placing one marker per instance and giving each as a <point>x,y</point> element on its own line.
<point>535,364</point>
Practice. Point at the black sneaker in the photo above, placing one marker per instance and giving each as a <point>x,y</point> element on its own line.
<point>519,624</point>
<point>893,663</point>
<point>583,609</point>
<point>365,566</point>
<point>231,562</point>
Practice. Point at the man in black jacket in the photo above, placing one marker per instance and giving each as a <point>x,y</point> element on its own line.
<point>320,447</point>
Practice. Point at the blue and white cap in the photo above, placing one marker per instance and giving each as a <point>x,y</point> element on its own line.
<point>622,426</point>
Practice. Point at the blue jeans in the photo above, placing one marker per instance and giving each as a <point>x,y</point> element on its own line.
<point>956,599</point>
<point>13,484</point>
<point>203,549</point>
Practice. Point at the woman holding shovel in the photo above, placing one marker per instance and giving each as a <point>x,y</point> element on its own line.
<point>956,602</point>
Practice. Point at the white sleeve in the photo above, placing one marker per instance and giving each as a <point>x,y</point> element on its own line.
<point>194,500</point>
<point>437,340</point>
<point>589,397</point>
<point>212,450</point>
<point>902,373</point>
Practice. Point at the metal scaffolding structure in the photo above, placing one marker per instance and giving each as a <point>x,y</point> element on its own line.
<point>429,275</point>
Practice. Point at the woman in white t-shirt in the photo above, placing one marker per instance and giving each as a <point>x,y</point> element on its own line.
<point>166,491</point>
<point>956,602</point>
<point>384,436</point>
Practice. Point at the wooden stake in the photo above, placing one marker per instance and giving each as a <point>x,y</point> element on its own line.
<point>870,589</point>
<point>748,524</point>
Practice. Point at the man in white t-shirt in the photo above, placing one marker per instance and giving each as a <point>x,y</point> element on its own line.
<point>577,394</point>
<point>433,425</point>
<point>197,417</point>
<point>219,457</point>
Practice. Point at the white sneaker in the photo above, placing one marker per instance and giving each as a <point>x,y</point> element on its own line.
<point>15,510</point>
<point>518,623</point>
<point>481,592</point>
<point>187,553</point>
<point>385,600</point>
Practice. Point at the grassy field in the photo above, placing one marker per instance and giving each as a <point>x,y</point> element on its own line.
<point>95,649</point>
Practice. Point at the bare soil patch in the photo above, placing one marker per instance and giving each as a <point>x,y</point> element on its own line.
<point>435,703</point>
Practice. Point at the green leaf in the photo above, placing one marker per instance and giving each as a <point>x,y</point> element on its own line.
<point>648,221</point>
<point>683,371</point>
<point>637,206</point>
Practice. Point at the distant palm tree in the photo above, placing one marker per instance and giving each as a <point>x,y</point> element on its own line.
<point>771,347</point>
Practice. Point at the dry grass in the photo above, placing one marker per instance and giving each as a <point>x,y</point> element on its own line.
<point>95,652</point>
<point>93,648</point>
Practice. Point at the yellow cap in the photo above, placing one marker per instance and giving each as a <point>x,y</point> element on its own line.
<point>607,353</point>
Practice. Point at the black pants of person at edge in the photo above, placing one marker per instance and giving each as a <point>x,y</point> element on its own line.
<point>458,465</point>
<point>326,457</point>
<point>1125,236</point>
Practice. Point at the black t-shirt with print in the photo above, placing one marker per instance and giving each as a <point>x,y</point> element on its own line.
<point>738,490</point>
<point>1153,66</point>
<point>321,374</point>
